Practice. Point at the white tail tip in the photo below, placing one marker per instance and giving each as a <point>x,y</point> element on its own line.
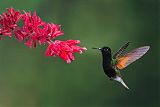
<point>119,79</point>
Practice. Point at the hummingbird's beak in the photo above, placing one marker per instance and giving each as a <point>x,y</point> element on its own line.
<point>119,79</point>
<point>97,48</point>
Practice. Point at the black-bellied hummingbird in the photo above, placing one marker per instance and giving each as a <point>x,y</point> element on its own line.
<point>113,64</point>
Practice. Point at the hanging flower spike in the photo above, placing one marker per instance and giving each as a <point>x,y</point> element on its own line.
<point>35,31</point>
<point>64,49</point>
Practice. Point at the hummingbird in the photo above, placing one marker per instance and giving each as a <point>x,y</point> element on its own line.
<point>113,64</point>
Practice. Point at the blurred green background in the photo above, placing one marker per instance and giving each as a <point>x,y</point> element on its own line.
<point>29,79</point>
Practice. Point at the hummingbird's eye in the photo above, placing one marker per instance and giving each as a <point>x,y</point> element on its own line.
<point>106,49</point>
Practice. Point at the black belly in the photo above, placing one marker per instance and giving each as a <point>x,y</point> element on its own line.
<point>109,71</point>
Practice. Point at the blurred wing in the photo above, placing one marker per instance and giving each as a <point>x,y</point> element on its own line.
<point>121,50</point>
<point>132,56</point>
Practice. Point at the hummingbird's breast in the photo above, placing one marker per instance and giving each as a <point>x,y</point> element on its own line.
<point>107,64</point>
<point>109,71</point>
<point>108,67</point>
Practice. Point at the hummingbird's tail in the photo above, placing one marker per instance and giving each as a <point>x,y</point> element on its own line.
<point>119,79</point>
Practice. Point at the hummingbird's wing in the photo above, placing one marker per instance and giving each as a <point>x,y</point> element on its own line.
<point>121,50</point>
<point>130,57</point>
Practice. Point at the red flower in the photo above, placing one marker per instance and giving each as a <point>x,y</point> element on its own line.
<point>38,30</point>
<point>31,23</point>
<point>34,31</point>
<point>8,21</point>
<point>48,32</point>
<point>64,49</point>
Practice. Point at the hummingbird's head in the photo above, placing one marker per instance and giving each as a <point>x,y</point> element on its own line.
<point>105,50</point>
<point>106,53</point>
